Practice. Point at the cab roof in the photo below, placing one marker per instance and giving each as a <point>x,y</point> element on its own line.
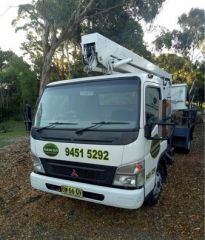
<point>69,81</point>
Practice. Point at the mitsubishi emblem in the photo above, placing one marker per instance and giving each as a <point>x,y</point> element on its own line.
<point>74,173</point>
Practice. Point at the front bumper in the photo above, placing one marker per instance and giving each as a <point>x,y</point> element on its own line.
<point>115,197</point>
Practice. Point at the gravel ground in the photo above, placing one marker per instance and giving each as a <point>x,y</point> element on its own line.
<point>30,214</point>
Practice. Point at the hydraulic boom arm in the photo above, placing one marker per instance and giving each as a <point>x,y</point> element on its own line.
<point>102,54</point>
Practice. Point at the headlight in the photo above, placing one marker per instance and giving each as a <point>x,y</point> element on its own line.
<point>131,175</point>
<point>37,165</point>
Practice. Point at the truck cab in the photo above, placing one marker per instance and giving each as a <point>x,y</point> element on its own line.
<point>88,139</point>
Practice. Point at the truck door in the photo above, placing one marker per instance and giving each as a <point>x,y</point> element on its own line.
<point>152,97</point>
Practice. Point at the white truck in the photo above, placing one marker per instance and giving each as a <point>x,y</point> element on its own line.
<point>105,139</point>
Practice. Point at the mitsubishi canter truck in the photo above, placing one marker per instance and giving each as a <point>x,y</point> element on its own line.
<point>105,139</point>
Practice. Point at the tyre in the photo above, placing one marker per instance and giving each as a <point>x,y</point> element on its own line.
<point>154,196</point>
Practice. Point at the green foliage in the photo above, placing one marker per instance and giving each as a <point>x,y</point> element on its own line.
<point>58,11</point>
<point>51,23</point>
<point>32,48</point>
<point>144,9</point>
<point>184,71</point>
<point>186,41</point>
<point>180,67</point>
<point>190,36</point>
<point>17,84</point>
<point>120,27</point>
<point>199,69</point>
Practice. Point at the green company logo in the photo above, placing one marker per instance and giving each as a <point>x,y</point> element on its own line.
<point>155,147</point>
<point>50,149</point>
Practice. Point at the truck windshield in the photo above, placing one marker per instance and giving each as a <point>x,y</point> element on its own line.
<point>84,103</point>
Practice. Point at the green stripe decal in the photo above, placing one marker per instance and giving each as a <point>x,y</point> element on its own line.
<point>155,147</point>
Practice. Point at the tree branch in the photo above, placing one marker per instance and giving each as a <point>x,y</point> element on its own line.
<point>45,36</point>
<point>101,11</point>
<point>80,14</point>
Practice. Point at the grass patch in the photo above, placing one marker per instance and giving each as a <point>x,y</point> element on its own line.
<point>11,130</point>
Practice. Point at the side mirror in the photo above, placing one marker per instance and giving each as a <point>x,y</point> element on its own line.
<point>165,131</point>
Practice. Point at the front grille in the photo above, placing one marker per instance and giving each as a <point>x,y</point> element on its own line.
<point>81,172</point>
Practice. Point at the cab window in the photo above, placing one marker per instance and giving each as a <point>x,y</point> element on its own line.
<point>152,101</point>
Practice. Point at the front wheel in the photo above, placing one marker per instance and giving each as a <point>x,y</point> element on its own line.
<point>154,196</point>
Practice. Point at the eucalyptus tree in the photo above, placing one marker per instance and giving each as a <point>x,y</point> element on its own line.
<point>178,66</point>
<point>57,21</point>
<point>189,39</point>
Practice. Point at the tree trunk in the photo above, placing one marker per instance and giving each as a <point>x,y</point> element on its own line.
<point>45,73</point>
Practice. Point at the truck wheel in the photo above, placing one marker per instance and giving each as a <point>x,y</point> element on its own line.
<point>153,197</point>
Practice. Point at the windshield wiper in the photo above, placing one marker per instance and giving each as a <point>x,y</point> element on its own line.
<point>54,124</point>
<point>98,124</point>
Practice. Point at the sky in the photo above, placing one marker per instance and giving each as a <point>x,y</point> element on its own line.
<point>169,14</point>
<point>167,17</point>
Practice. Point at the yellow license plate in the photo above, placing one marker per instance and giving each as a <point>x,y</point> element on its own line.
<point>72,191</point>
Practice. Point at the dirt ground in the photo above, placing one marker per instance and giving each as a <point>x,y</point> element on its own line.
<point>26,213</point>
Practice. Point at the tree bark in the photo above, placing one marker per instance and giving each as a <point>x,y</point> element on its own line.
<point>45,73</point>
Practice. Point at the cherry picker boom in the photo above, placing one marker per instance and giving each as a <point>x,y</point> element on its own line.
<point>101,53</point>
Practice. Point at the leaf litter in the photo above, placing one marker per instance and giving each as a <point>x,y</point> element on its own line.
<point>26,213</point>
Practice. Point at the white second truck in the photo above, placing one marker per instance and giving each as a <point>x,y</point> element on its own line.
<point>105,139</point>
